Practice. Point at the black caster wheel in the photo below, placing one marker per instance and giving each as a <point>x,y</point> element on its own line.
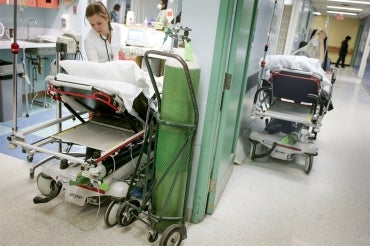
<point>127,213</point>
<point>253,151</point>
<point>45,184</point>
<point>110,216</point>
<point>30,158</point>
<point>173,235</point>
<point>308,164</point>
<point>152,236</point>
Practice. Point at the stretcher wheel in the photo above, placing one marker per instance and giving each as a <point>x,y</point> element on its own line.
<point>173,235</point>
<point>308,163</point>
<point>110,216</point>
<point>46,184</point>
<point>30,158</point>
<point>253,151</point>
<point>263,149</point>
<point>126,213</point>
<point>152,236</point>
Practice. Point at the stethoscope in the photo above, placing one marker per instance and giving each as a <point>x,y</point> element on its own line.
<point>106,46</point>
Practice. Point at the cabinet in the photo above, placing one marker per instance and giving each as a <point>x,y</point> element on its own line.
<point>50,4</point>
<point>28,3</point>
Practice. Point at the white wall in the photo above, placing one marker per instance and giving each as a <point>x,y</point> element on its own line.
<point>201,17</point>
<point>265,32</point>
<point>293,23</point>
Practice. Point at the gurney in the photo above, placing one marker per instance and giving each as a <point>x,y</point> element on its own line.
<point>117,96</point>
<point>292,100</point>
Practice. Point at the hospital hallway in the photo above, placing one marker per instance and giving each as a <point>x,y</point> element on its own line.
<point>264,203</point>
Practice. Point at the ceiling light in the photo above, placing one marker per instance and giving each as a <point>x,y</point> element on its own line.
<point>344,8</point>
<point>348,1</point>
<point>340,13</point>
<point>316,13</point>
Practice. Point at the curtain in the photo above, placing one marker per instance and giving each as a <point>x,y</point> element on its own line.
<point>144,8</point>
<point>148,9</point>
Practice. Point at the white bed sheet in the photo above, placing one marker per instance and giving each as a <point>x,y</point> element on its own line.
<point>123,78</point>
<point>294,62</point>
<point>127,92</point>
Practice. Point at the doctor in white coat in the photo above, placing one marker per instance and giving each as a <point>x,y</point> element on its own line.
<point>104,41</point>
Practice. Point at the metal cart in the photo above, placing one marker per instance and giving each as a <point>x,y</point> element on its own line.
<point>152,208</point>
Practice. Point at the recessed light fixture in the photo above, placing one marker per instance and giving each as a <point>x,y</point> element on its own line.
<point>344,8</point>
<point>316,13</point>
<point>348,1</point>
<point>340,13</point>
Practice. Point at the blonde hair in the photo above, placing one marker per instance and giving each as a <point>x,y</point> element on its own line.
<point>98,8</point>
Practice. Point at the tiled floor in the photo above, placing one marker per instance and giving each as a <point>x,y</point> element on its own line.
<point>277,204</point>
<point>264,203</point>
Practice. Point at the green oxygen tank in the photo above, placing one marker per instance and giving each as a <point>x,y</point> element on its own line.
<point>177,107</point>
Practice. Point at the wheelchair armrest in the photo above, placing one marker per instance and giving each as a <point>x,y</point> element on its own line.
<point>314,97</point>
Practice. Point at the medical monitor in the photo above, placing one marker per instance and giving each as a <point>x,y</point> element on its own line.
<point>136,37</point>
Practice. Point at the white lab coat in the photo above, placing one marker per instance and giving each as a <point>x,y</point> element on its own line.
<point>99,50</point>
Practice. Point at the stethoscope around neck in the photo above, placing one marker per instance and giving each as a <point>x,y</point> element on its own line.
<point>106,46</point>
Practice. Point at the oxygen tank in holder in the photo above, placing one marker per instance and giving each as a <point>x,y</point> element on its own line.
<point>168,198</point>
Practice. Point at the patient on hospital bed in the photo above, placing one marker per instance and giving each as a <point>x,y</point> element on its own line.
<point>292,98</point>
<point>288,69</point>
<point>299,63</point>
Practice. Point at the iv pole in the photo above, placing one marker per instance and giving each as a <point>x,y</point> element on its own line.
<point>263,62</point>
<point>15,50</point>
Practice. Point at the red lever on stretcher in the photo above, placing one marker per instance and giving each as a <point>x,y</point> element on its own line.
<point>15,48</point>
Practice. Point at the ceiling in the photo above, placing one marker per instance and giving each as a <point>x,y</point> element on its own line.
<point>321,6</point>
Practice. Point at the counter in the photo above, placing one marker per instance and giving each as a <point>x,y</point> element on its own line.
<point>5,44</point>
<point>33,65</point>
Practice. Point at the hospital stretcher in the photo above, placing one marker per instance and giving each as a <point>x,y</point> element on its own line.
<point>114,131</point>
<point>292,104</point>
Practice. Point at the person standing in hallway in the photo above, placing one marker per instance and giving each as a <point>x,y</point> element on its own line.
<point>343,52</point>
<point>115,12</point>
